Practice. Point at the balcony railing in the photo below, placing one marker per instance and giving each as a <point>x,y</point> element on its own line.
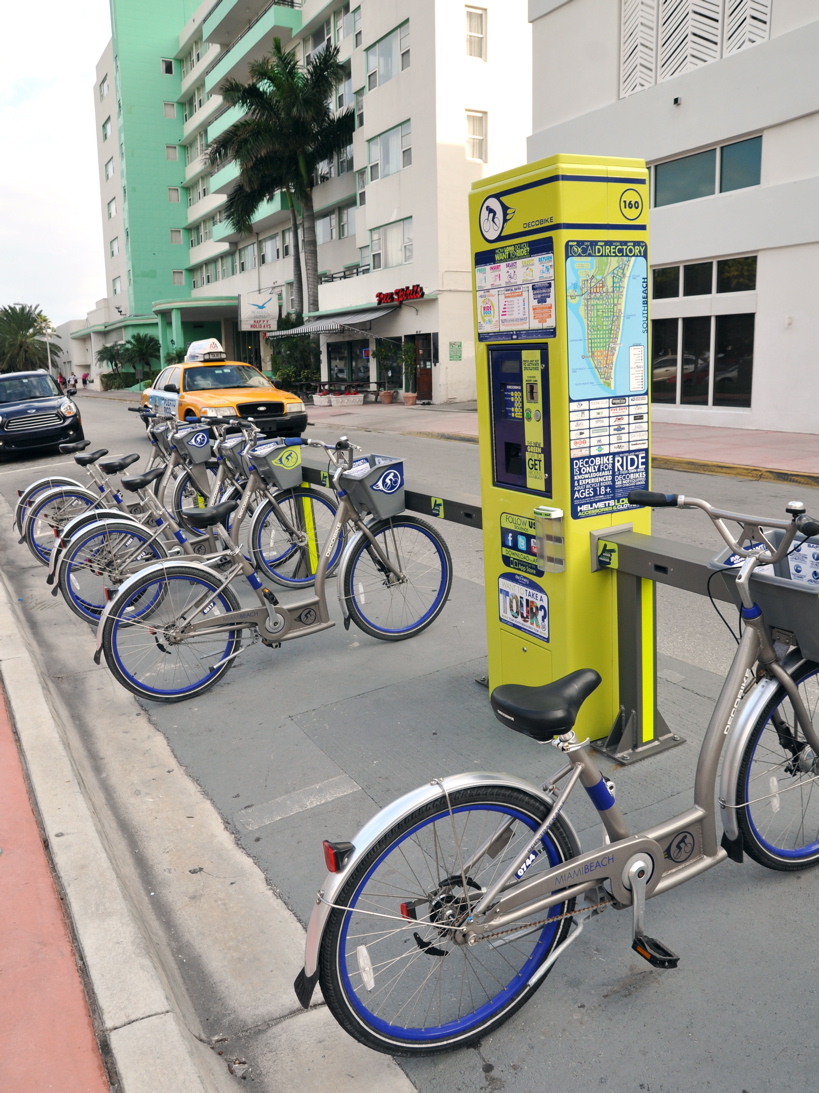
<point>343,274</point>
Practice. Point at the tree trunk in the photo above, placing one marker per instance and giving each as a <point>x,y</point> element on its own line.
<point>308,219</point>
<point>298,284</point>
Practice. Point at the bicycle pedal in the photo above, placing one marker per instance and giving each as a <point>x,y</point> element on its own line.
<point>652,950</point>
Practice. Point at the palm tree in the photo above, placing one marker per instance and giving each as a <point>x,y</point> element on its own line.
<point>176,355</point>
<point>22,332</point>
<point>287,131</point>
<point>111,356</point>
<point>139,351</point>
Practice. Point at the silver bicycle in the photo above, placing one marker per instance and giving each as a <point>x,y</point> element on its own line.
<point>448,909</point>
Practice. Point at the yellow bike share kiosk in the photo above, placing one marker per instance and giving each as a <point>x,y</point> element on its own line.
<point>560,262</point>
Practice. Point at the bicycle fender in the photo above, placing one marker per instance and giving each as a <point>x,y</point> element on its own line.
<point>156,567</point>
<point>352,543</point>
<point>738,740</point>
<point>65,535</point>
<point>374,829</point>
<point>60,551</point>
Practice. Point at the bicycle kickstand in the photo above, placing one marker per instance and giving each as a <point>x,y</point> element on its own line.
<point>649,948</point>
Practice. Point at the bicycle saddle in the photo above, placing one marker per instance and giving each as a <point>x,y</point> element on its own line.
<point>92,457</point>
<point>114,466</point>
<point>139,481</point>
<point>215,514</point>
<point>74,446</point>
<point>544,712</point>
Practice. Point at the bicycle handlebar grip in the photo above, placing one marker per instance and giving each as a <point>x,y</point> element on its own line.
<point>138,410</point>
<point>652,500</point>
<point>807,526</point>
<point>343,444</point>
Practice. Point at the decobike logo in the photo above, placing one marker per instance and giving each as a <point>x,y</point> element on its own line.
<point>389,482</point>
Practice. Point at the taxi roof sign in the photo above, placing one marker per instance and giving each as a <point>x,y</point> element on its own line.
<point>208,349</point>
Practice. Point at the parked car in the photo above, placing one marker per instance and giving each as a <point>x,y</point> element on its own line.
<point>34,413</point>
<point>206,384</point>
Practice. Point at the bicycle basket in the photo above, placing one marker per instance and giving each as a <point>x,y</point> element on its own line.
<point>161,432</point>
<point>278,463</point>
<point>787,593</point>
<point>195,442</point>
<point>231,451</point>
<point>375,484</point>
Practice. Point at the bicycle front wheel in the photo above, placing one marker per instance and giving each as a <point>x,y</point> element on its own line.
<point>397,601</point>
<point>777,793</point>
<point>392,968</point>
<point>38,487</point>
<point>288,559</point>
<point>104,557</point>
<point>148,644</point>
<point>48,514</point>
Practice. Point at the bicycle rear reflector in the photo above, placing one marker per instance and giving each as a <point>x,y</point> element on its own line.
<point>336,855</point>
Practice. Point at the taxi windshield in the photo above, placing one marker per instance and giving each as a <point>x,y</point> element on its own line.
<point>18,388</point>
<point>217,377</point>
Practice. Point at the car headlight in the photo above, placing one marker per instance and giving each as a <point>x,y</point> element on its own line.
<point>294,407</point>
<point>218,411</point>
<point>67,408</point>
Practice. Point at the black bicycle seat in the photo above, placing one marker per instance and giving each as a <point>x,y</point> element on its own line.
<point>544,712</point>
<point>114,466</point>
<point>74,446</point>
<point>139,481</point>
<point>92,457</point>
<point>215,514</point>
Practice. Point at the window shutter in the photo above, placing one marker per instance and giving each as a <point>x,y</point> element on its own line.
<point>747,23</point>
<point>638,33</point>
<point>690,33</point>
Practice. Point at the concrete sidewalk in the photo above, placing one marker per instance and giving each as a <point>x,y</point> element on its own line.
<point>740,453</point>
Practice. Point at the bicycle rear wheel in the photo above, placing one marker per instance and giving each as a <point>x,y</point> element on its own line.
<point>147,644</point>
<point>777,792</point>
<point>30,492</point>
<point>48,514</point>
<point>403,983</point>
<point>284,561</point>
<point>397,605</point>
<point>102,557</point>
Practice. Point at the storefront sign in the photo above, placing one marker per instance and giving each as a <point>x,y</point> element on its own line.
<point>398,295</point>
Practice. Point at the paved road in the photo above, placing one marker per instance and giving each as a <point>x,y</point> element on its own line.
<point>343,710</point>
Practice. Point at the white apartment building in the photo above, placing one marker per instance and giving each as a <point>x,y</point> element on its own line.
<point>721,97</point>
<point>442,96</point>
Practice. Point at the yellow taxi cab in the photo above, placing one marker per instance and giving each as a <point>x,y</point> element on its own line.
<point>206,384</point>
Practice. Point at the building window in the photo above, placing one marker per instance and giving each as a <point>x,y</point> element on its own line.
<point>178,277</point>
<point>167,66</point>
<point>325,228</point>
<point>106,128</point>
<point>341,21</point>
<point>169,109</point>
<point>291,296</point>
<point>345,160</point>
<point>114,246</point>
<point>699,340</point>
<point>364,257</point>
<point>226,266</point>
<point>247,257</point>
<point>717,170</point>
<point>391,245</point>
<point>476,134</point>
<point>346,221</point>
<point>357,28</point>
<point>287,235</point>
<point>116,286</point>
<point>476,33</point>
<point>176,236</point>
<point>109,169</point>
<point>173,194</point>
<point>361,186</point>
<point>359,109</point>
<point>320,39</point>
<point>104,87</point>
<point>388,57</point>
<point>269,249</point>
<point>171,152</point>
<point>191,58</point>
<point>112,208</point>
<point>390,152</point>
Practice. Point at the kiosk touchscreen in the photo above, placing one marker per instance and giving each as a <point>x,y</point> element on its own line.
<point>560,268</point>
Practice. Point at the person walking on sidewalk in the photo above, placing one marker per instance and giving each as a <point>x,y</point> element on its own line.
<point>84,380</point>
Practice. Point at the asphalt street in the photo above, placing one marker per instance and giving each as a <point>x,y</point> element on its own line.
<point>308,741</point>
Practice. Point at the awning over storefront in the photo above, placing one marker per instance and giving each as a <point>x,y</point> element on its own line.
<point>335,324</point>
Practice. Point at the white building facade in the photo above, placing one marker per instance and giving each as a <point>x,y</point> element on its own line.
<point>721,98</point>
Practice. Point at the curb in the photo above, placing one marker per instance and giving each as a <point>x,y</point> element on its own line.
<point>733,470</point>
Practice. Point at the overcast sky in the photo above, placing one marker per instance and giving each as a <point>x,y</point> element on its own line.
<point>50,225</point>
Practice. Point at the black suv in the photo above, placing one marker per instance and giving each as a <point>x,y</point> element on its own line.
<point>33,413</point>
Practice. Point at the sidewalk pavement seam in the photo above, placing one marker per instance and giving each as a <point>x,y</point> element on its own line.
<point>146,1017</point>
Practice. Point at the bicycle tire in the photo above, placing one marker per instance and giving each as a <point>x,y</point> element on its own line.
<point>139,649</point>
<point>50,512</point>
<point>31,491</point>
<point>414,990</point>
<point>777,802</point>
<point>185,494</point>
<point>276,555</point>
<point>100,557</point>
<point>397,609</point>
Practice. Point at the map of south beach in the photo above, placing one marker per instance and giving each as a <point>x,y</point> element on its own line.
<point>607,318</point>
